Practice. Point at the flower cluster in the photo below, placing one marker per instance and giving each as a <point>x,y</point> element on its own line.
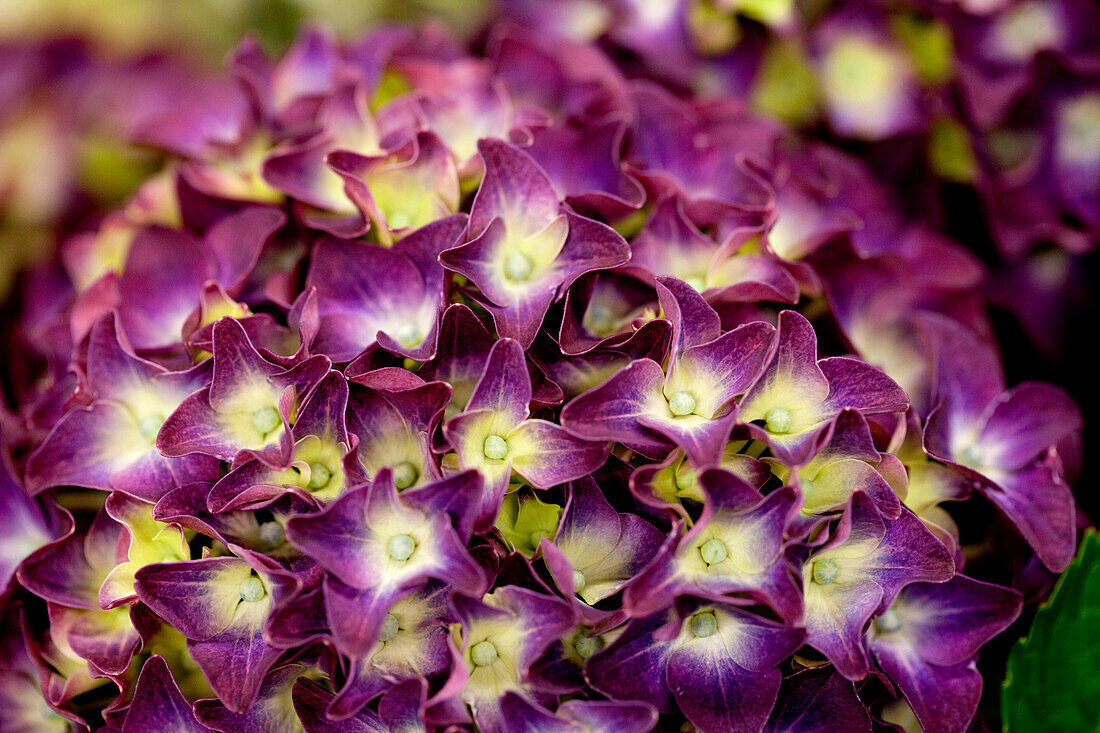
<point>433,390</point>
<point>991,106</point>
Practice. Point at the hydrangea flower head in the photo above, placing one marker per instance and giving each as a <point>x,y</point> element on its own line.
<point>512,385</point>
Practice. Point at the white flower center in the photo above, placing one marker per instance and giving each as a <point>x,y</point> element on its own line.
<point>401,547</point>
<point>319,476</point>
<point>495,448</point>
<point>266,419</point>
<point>714,551</point>
<point>1079,130</point>
<point>271,534</point>
<point>889,622</point>
<point>825,572</point>
<point>681,403</point>
<point>586,646</point>
<point>807,486</point>
<point>389,628</point>
<point>150,426</point>
<point>517,266</point>
<point>405,475</point>
<point>483,653</point>
<point>778,420</point>
<point>407,335</point>
<point>704,624</point>
<point>252,589</point>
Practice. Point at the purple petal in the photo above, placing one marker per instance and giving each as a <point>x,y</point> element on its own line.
<point>609,548</point>
<point>411,187</point>
<point>589,174</point>
<point>198,597</point>
<point>160,286</point>
<point>454,495</point>
<point>968,373</point>
<point>632,667</point>
<point>71,571</point>
<point>818,700</point>
<point>943,698</point>
<point>220,420</point>
<point>237,241</point>
<point>1024,422</point>
<point>107,445</point>
<point>908,552</point>
<point>102,447</point>
<point>546,455</point>
<point>519,713</point>
<point>725,367</point>
<point>947,623</point>
<point>715,693</point>
<point>590,245</point>
<point>859,386</point>
<point>393,428</point>
<point>514,189</point>
<point>694,322</point>
<point>505,386</point>
<point>158,703</point>
<point>402,706</point>
<point>106,639</point>
<point>600,716</point>
<point>613,410</point>
<point>1038,501</point>
<point>835,621</point>
<point>310,703</point>
<point>237,659</point>
<point>25,526</point>
<point>464,345</point>
<point>365,289</point>
<point>322,413</point>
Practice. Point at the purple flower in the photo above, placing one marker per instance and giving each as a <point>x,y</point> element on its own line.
<point>1006,442</point>
<point>692,403</point>
<point>927,640</point>
<point>249,404</point>
<point>858,572</point>
<point>158,703</point>
<point>321,467</point>
<point>221,605</point>
<point>728,271</point>
<point>716,663</point>
<point>111,442</point>
<point>393,417</point>
<point>798,398</point>
<point>368,294</point>
<point>597,550</point>
<point>501,636</point>
<point>401,190</point>
<point>526,249</point>
<point>412,645</point>
<point>496,436</point>
<point>377,547</point>
<point>734,549</point>
<point>30,526</point>
<point>818,699</point>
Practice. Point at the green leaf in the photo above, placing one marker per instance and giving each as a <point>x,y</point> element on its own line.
<point>1053,680</point>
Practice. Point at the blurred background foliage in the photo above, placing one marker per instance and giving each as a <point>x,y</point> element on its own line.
<point>206,30</point>
<point>64,155</point>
